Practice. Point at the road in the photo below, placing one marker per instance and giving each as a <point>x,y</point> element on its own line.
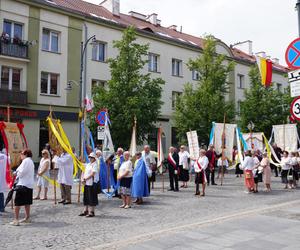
<point>226,218</point>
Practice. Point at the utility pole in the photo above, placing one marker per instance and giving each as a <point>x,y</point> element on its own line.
<point>298,9</point>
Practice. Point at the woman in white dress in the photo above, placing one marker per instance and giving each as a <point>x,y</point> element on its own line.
<point>42,175</point>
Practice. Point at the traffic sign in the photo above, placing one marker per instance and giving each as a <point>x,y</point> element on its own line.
<point>100,133</point>
<point>292,54</point>
<point>101,117</point>
<point>295,109</point>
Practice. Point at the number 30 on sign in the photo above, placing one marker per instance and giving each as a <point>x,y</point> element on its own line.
<point>295,109</point>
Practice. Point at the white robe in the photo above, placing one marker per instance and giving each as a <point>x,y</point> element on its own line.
<point>3,161</point>
<point>65,169</point>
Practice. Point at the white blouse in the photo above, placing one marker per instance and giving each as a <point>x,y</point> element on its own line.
<point>203,162</point>
<point>126,166</point>
<point>286,163</point>
<point>65,169</point>
<point>183,159</point>
<point>248,163</point>
<point>89,169</point>
<point>3,162</point>
<point>25,173</point>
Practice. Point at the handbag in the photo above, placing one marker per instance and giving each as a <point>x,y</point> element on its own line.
<point>290,176</point>
<point>248,175</point>
<point>97,187</point>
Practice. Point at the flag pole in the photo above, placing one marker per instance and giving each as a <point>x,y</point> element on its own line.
<point>223,149</point>
<point>81,155</point>
<point>54,171</point>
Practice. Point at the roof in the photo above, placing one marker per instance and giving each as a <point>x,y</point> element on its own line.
<point>98,12</point>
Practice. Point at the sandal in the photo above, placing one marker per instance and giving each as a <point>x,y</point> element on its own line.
<point>122,206</point>
<point>36,198</point>
<point>44,199</point>
<point>127,206</point>
<point>84,213</point>
<point>91,214</point>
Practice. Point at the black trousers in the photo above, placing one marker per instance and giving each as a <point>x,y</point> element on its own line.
<point>116,180</point>
<point>173,178</point>
<point>212,176</point>
<point>207,173</point>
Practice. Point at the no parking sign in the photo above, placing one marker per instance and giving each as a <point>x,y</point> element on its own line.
<point>292,54</point>
<point>101,117</point>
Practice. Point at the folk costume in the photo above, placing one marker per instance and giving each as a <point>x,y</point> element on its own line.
<point>173,166</point>
<point>139,180</point>
<point>248,166</point>
<point>65,166</point>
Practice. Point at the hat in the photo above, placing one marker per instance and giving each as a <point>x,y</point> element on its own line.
<point>92,155</point>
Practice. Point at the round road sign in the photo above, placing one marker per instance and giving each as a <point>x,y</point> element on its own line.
<point>295,109</point>
<point>292,54</point>
<point>101,116</point>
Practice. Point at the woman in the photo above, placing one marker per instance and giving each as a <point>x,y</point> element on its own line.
<point>286,168</point>
<point>125,178</point>
<point>89,179</point>
<point>184,166</point>
<point>238,171</point>
<point>295,167</point>
<point>24,188</point>
<point>265,163</point>
<point>222,164</point>
<point>248,166</point>
<point>43,175</point>
<point>257,171</point>
<point>200,166</point>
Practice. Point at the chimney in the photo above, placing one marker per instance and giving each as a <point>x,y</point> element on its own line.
<point>152,19</point>
<point>173,27</point>
<point>137,15</point>
<point>261,54</point>
<point>112,5</point>
<point>275,60</point>
<point>245,46</point>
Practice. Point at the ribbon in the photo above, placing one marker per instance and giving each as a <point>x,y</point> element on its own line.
<point>172,161</point>
<point>20,127</point>
<point>271,152</point>
<point>212,133</point>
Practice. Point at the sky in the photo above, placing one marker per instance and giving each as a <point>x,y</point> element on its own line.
<point>270,24</point>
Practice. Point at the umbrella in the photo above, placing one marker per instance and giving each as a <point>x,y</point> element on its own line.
<point>10,193</point>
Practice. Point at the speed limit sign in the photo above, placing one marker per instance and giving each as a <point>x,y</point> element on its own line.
<point>295,109</point>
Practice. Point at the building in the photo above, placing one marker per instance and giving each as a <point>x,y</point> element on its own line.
<point>41,55</point>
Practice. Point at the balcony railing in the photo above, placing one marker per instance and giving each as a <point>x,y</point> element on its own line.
<point>14,48</point>
<point>13,97</point>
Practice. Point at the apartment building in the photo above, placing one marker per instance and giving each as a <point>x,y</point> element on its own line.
<point>40,55</point>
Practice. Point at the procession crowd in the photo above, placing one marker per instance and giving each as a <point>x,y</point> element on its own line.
<point>131,177</point>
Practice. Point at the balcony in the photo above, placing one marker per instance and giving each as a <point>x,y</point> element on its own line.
<point>14,48</point>
<point>13,97</point>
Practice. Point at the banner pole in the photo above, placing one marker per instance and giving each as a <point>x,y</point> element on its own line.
<point>223,148</point>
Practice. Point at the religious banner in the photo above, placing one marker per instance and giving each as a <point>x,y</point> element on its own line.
<point>254,141</point>
<point>15,144</point>
<point>193,144</point>
<point>53,142</point>
<point>224,136</point>
<point>286,136</point>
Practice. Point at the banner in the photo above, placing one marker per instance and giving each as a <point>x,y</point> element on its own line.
<point>193,144</point>
<point>286,136</point>
<point>228,140</point>
<point>254,141</point>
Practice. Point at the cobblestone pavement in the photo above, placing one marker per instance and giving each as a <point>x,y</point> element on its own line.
<point>161,222</point>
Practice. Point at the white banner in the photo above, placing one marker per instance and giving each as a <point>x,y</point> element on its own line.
<point>286,136</point>
<point>193,144</point>
<point>254,141</point>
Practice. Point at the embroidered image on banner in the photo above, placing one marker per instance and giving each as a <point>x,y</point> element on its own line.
<point>254,141</point>
<point>285,136</point>
<point>193,144</point>
<point>15,143</point>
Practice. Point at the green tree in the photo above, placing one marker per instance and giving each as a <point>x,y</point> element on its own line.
<point>129,92</point>
<point>263,106</point>
<point>204,103</point>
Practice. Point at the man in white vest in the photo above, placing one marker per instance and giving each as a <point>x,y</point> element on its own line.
<point>65,166</point>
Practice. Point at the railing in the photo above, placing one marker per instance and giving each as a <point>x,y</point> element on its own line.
<point>13,48</point>
<point>13,97</point>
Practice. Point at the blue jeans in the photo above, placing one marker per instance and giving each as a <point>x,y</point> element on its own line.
<point>1,202</point>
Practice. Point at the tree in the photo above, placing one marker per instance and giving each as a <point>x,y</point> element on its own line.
<point>129,92</point>
<point>263,106</point>
<point>200,105</point>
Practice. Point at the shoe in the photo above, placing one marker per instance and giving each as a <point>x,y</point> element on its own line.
<point>44,199</point>
<point>122,206</point>
<point>36,198</point>
<point>126,207</point>
<point>214,184</point>
<point>202,194</point>
<point>170,189</point>
<point>62,201</point>
<point>91,214</point>
<point>182,186</point>
<point>25,220</point>
<point>84,213</point>
<point>197,193</point>
<point>136,201</point>
<point>67,203</point>
<point>14,223</point>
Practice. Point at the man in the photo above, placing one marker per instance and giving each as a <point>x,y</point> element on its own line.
<point>173,166</point>
<point>278,152</point>
<point>65,166</point>
<point>3,162</point>
<point>210,171</point>
<point>118,160</point>
<point>150,164</point>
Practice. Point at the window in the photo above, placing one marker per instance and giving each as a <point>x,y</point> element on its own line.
<point>99,52</point>
<point>176,67</point>
<point>49,83</point>
<point>174,140</point>
<point>14,30</point>
<point>153,62</point>
<point>10,78</point>
<point>279,87</point>
<point>96,83</point>
<point>175,96</point>
<point>195,75</point>
<point>241,81</point>
<point>50,41</point>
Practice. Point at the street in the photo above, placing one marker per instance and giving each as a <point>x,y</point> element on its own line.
<point>226,218</point>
